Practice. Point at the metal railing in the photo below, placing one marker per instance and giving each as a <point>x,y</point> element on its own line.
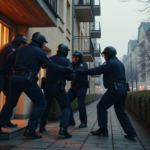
<point>52,4</point>
<point>95,26</point>
<point>96,2</point>
<point>84,44</point>
<point>97,64</point>
<point>97,47</point>
<point>97,81</point>
<point>84,3</point>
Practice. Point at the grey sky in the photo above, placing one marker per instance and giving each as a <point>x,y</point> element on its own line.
<point>119,23</point>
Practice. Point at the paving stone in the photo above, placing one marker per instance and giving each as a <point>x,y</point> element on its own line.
<point>57,145</point>
<point>26,149</point>
<point>95,148</point>
<point>34,145</point>
<point>73,145</point>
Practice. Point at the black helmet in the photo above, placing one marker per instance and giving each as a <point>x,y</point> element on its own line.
<point>109,51</point>
<point>63,48</point>
<point>78,53</point>
<point>39,38</point>
<point>19,39</point>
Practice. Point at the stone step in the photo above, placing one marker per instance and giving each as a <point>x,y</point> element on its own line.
<point>10,133</point>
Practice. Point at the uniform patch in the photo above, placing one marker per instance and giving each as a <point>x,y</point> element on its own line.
<point>104,63</point>
<point>13,49</point>
<point>47,56</point>
<point>81,65</point>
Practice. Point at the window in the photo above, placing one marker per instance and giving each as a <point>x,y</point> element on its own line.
<point>4,34</point>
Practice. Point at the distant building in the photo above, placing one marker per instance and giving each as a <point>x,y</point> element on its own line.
<point>136,59</point>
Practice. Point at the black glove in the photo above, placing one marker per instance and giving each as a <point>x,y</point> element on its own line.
<point>81,71</point>
<point>69,69</point>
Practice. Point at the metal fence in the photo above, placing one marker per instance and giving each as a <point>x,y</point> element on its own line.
<point>97,64</point>
<point>97,47</point>
<point>83,44</point>
<point>53,4</point>
<point>95,26</point>
<point>96,2</point>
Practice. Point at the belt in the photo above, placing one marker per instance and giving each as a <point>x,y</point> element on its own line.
<point>118,84</point>
<point>18,72</point>
<point>121,84</point>
<point>52,82</point>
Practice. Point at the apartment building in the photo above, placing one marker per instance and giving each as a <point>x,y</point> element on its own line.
<point>137,61</point>
<point>62,21</point>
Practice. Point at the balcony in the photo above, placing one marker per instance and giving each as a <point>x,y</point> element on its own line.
<point>98,83</point>
<point>84,44</point>
<point>97,8</point>
<point>95,30</point>
<point>31,13</point>
<point>84,10</point>
<point>97,50</point>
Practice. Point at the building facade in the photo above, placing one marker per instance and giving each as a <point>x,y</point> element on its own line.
<point>137,59</point>
<point>61,21</point>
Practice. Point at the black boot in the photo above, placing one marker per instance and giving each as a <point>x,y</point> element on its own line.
<point>131,135</point>
<point>71,123</point>
<point>42,130</point>
<point>10,125</point>
<point>64,132</point>
<point>83,125</point>
<point>31,134</point>
<point>100,131</point>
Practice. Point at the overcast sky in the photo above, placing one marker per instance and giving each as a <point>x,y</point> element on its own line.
<point>119,23</point>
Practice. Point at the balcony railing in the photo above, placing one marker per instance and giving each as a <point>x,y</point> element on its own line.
<point>84,44</point>
<point>52,4</point>
<point>95,30</point>
<point>84,10</point>
<point>97,50</point>
<point>97,8</point>
<point>97,81</point>
<point>97,64</point>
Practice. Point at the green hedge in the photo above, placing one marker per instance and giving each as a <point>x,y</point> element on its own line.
<point>55,112</point>
<point>139,103</point>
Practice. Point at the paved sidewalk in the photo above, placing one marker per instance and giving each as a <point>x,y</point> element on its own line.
<point>82,138</point>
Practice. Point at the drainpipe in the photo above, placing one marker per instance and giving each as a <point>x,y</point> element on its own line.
<point>72,28</point>
<point>89,81</point>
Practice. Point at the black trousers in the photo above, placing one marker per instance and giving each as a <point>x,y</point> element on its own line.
<point>80,93</point>
<point>116,98</point>
<point>18,84</point>
<point>4,86</point>
<point>52,91</point>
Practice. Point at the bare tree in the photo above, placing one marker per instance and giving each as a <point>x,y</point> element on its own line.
<point>145,10</point>
<point>132,73</point>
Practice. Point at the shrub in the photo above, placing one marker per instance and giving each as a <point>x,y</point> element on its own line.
<point>139,103</point>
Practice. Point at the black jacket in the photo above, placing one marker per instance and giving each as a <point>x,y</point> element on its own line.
<point>30,57</point>
<point>113,70</point>
<point>80,78</point>
<point>61,60</point>
<point>4,52</point>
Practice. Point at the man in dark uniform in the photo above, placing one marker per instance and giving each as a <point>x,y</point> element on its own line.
<point>115,81</point>
<point>55,88</point>
<point>28,60</point>
<point>78,89</point>
<point>5,67</point>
